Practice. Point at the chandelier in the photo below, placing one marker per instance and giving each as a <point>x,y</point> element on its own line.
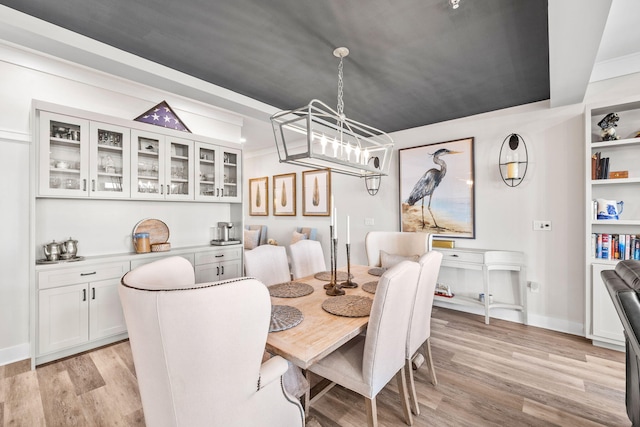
<point>328,139</point>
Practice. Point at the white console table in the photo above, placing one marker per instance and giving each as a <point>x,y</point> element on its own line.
<point>486,260</point>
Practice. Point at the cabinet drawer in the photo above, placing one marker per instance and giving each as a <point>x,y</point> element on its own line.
<point>462,256</point>
<point>147,259</point>
<point>81,274</point>
<point>218,256</point>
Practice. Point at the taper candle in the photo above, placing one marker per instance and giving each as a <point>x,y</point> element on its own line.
<point>348,231</point>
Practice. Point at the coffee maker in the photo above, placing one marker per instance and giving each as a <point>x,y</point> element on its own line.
<point>224,235</point>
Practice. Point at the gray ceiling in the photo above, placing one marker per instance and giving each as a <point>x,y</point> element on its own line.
<point>412,62</point>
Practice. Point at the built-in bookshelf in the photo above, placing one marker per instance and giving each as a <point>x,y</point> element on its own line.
<point>612,176</point>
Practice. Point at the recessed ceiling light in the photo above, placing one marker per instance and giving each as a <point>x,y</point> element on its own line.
<point>243,140</point>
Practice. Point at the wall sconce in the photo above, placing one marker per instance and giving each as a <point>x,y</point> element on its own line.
<point>454,3</point>
<point>513,160</point>
<point>372,182</point>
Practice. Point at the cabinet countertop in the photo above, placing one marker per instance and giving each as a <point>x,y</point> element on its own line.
<point>93,259</point>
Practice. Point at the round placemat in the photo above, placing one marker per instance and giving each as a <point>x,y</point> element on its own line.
<point>284,317</point>
<point>341,276</point>
<point>376,271</point>
<point>348,306</point>
<point>370,287</point>
<point>290,290</point>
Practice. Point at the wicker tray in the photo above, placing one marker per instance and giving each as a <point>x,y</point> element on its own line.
<point>290,290</point>
<point>284,317</point>
<point>370,287</point>
<point>341,276</point>
<point>348,306</point>
<point>376,271</point>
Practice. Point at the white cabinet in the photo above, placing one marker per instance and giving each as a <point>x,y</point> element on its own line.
<point>79,158</point>
<point>601,321</point>
<point>63,155</point>
<point>218,175</point>
<point>221,264</point>
<point>161,167</point>
<point>606,323</point>
<point>110,161</point>
<point>82,154</point>
<point>78,306</point>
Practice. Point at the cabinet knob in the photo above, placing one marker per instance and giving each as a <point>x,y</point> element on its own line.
<point>87,274</point>
<point>84,185</point>
<point>84,295</point>
<point>219,256</point>
<point>217,192</point>
<point>161,189</point>
<point>93,185</point>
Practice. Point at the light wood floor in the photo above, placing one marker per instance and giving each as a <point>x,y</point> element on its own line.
<point>504,374</point>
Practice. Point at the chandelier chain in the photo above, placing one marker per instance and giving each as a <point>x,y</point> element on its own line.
<point>340,90</point>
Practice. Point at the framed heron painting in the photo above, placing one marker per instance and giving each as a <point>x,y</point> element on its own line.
<point>437,193</point>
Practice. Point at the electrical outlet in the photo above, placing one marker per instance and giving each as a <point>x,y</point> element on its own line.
<point>539,225</point>
<point>368,221</point>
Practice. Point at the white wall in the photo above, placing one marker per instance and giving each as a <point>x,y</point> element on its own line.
<point>100,226</point>
<point>553,189</point>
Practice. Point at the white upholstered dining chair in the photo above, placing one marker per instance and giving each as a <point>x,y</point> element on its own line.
<point>267,263</point>
<point>192,369</point>
<point>368,362</point>
<point>306,258</point>
<point>395,243</point>
<point>420,326</point>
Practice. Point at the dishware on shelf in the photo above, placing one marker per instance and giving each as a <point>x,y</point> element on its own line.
<point>141,243</point>
<point>52,251</point>
<point>69,248</point>
<point>609,209</point>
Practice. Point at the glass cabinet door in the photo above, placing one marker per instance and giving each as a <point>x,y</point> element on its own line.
<point>179,169</point>
<point>147,167</point>
<point>218,174</point>
<point>206,172</point>
<point>231,175</point>
<point>110,161</point>
<point>64,155</point>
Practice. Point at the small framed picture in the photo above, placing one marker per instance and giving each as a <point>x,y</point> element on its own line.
<point>316,192</point>
<point>148,145</point>
<point>284,194</point>
<point>259,196</point>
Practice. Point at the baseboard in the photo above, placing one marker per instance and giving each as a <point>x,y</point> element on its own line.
<point>14,354</point>
<point>553,324</point>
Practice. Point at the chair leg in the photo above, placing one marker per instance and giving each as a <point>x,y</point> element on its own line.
<point>426,348</point>
<point>404,400</point>
<point>372,411</point>
<point>413,396</point>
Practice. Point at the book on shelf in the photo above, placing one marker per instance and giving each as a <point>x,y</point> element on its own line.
<point>599,166</point>
<point>615,246</point>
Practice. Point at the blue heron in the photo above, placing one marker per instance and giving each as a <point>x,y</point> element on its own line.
<point>429,182</point>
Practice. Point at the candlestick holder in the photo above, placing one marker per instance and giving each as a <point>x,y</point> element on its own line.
<point>348,284</point>
<point>333,287</point>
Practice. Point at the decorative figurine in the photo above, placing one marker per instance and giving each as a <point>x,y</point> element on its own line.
<point>608,125</point>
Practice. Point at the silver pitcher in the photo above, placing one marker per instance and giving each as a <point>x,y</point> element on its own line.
<point>69,249</point>
<point>52,251</point>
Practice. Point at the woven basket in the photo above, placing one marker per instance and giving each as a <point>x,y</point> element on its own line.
<point>161,247</point>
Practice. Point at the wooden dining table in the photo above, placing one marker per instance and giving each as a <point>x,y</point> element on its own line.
<point>320,332</point>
